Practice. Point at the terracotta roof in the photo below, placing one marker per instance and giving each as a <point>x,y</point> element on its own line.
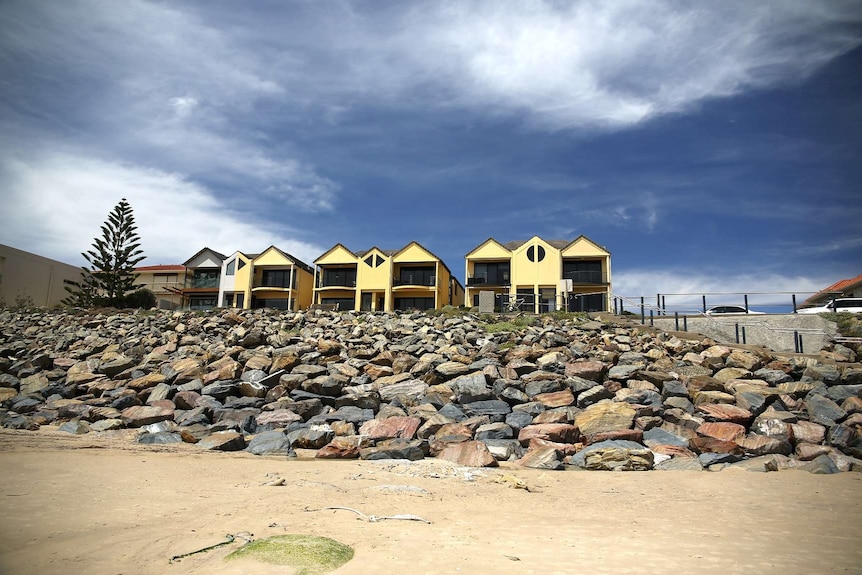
<point>835,289</point>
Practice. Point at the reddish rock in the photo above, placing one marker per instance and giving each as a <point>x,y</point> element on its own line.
<point>391,427</point>
<point>636,435</point>
<point>223,441</point>
<point>556,398</point>
<point>469,453</point>
<point>343,447</point>
<point>722,430</point>
<point>146,382</point>
<point>809,451</point>
<point>712,445</point>
<point>375,371</point>
<point>542,458</point>
<point>139,415</point>
<point>448,434</point>
<point>755,445</point>
<point>673,450</point>
<point>556,432</point>
<point>277,418</point>
<point>564,448</point>
<point>592,370</point>
<point>808,432</point>
<point>186,399</point>
<point>552,416</point>
<point>725,412</point>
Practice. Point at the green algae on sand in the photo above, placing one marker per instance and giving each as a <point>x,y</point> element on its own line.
<point>310,555</point>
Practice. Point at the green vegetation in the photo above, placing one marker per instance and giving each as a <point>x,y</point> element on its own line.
<point>849,324</point>
<point>112,261</point>
<point>308,554</point>
<point>563,315</point>
<point>514,324</point>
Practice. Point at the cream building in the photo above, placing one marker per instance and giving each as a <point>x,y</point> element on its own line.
<point>36,279</point>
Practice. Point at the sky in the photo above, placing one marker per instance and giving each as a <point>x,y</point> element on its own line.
<point>709,146</point>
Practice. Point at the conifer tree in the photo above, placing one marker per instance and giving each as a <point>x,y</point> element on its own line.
<point>112,261</point>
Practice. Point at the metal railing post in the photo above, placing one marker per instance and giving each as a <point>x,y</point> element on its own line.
<point>676,320</point>
<point>685,323</point>
<point>704,303</point>
<point>663,306</point>
<point>643,317</point>
<point>746,302</point>
<point>794,303</point>
<point>737,332</point>
<point>651,318</point>
<point>743,334</point>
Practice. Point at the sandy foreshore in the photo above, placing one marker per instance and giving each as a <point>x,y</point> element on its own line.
<point>105,505</point>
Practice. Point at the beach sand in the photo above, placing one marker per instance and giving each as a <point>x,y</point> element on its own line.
<point>105,505</point>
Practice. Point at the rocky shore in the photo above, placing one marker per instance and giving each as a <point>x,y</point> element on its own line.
<point>544,392</point>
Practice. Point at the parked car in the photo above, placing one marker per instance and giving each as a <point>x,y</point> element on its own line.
<point>837,305</point>
<point>731,310</point>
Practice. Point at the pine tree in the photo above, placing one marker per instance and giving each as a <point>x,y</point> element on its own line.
<point>112,261</point>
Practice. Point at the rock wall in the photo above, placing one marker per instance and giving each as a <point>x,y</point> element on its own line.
<point>560,393</point>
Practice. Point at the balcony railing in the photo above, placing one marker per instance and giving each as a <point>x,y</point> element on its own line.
<point>336,282</point>
<point>489,280</point>
<point>586,277</point>
<point>418,280</point>
<point>273,284</point>
<point>204,282</point>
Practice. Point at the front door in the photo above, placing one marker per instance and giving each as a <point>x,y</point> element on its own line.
<point>366,302</point>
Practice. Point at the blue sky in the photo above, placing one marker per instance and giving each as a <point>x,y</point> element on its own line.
<point>711,146</point>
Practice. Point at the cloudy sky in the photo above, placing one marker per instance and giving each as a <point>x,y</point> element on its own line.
<point>710,146</point>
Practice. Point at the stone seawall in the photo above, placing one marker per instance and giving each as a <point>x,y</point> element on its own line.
<point>544,392</point>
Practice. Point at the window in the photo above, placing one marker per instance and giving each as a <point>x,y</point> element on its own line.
<point>583,271</point>
<point>205,278</point>
<point>271,303</point>
<point>343,303</point>
<point>490,273</point>
<point>228,300</point>
<point>420,303</point>
<point>535,253</point>
<point>230,269</point>
<point>277,278</point>
<point>241,265</point>
<point>202,302</point>
<point>345,277</point>
<point>369,261</point>
<point>164,278</point>
<point>418,276</point>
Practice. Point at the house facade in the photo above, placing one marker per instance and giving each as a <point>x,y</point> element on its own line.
<point>271,279</point>
<point>38,280</point>
<point>165,281</point>
<point>201,288</point>
<point>385,280</point>
<point>541,275</point>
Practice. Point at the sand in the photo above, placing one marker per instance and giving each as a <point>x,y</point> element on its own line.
<point>104,505</point>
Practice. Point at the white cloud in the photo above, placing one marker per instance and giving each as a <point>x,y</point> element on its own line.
<point>54,205</point>
<point>610,64</point>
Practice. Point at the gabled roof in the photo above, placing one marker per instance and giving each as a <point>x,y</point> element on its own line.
<point>485,242</point>
<point>332,249</point>
<point>298,262</point>
<point>435,256</point>
<point>585,238</point>
<point>363,253</point>
<point>213,252</point>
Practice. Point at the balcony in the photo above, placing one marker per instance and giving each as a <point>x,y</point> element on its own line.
<point>204,282</point>
<point>341,280</point>
<point>415,280</point>
<point>586,277</point>
<point>489,280</point>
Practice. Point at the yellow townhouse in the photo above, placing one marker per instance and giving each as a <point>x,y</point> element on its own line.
<point>540,275</point>
<point>385,280</point>
<point>270,279</point>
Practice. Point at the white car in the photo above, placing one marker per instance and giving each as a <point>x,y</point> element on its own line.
<point>731,310</point>
<point>838,305</point>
